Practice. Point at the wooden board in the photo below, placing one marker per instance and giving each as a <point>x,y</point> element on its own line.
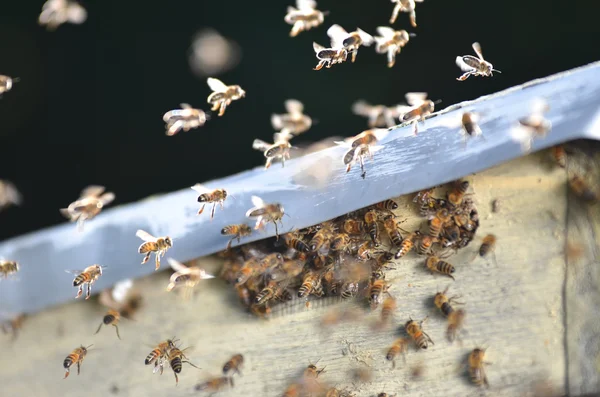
<point>515,308</point>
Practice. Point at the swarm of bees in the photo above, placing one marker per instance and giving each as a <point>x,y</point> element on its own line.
<point>91,201</point>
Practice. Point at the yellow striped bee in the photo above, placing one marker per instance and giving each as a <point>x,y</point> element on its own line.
<point>223,95</point>
<point>76,357</point>
<point>151,244</point>
<point>207,196</point>
<point>87,276</point>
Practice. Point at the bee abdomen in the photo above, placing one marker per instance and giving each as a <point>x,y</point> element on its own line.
<point>264,295</point>
<point>484,249</point>
<point>69,361</point>
<point>146,247</point>
<point>203,198</point>
<point>151,357</point>
<point>421,341</point>
<point>446,309</point>
<point>387,205</point>
<point>79,280</point>
<point>176,365</point>
<point>445,267</point>
<point>109,318</point>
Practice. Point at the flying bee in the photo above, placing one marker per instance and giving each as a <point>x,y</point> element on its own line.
<point>359,154</point>
<point>436,265</point>
<point>111,317</point>
<point>76,357</point>
<point>12,324</point>
<point>177,358</point>
<point>264,213</point>
<point>158,245</point>
<point>89,204</point>
<point>312,372</point>
<point>8,268</point>
<point>371,219</point>
<point>379,115</point>
<point>377,288</point>
<point>223,95</point>
<point>9,195</point>
<point>476,367</point>
<point>407,244</point>
<point>304,17</point>
<point>237,231</point>
<point>559,155</point>
<point>391,42</point>
<point>207,196</point>
<point>88,276</point>
<point>294,122</point>
<point>407,6</point>
<point>185,276</point>
<point>351,42</point>
<point>421,107</point>
<point>532,126</point>
<point>234,364</point>
<point>457,193</point>
<point>278,150</point>
<point>157,354</point>
<point>455,317</point>
<point>400,346</point>
<point>583,190</point>
<point>215,384</point>
<point>6,83</point>
<point>328,56</point>
<point>474,66</point>
<point>185,119</point>
<point>415,331</point>
<point>56,12</point>
<point>388,307</point>
<point>469,125</point>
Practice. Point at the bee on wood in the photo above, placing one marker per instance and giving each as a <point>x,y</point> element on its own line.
<point>351,42</point>
<point>388,307</point>
<point>310,283</point>
<point>400,346</point>
<point>407,244</point>
<point>457,193</point>
<point>476,367</point>
<point>223,95</point>
<point>559,155</point>
<point>488,246</point>
<point>294,122</point>
<point>6,83</point>
<point>280,149</point>
<point>436,265</point>
<point>13,324</point>
<point>177,358</point>
<point>421,107</point>
<point>473,66</point>
<point>91,201</point>
<point>379,115</point>
<point>353,226</point>
<point>407,6</point>
<point>304,17</point>
<point>372,225</point>
<point>294,241</point>
<point>378,286</point>
<point>184,276</point>
<point>583,190</point>
<point>76,357</point>
<point>436,224</point>
<point>215,384</point>
<point>56,12</point>
<point>340,242</point>
<point>264,213</point>
<point>328,56</point>
<point>532,126</point>
<point>455,317</point>
<point>391,227</point>
<point>185,119</point>
<point>234,364</point>
<point>157,245</point>
<point>237,231</point>
<point>391,42</point>
<point>157,354</point>
<point>496,206</point>
<point>87,276</point>
<point>111,317</point>
<point>312,372</point>
<point>424,244</point>
<point>8,268</point>
<point>415,331</point>
<point>207,196</point>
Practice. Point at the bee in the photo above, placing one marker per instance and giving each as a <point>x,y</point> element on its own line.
<point>436,224</point>
<point>328,56</point>
<point>322,237</point>
<point>351,42</point>
<point>293,240</point>
<point>12,325</point>
<point>122,299</point>
<point>185,276</point>
<point>111,317</point>
<point>176,359</point>
<point>304,17</point>
<point>272,289</point>
<point>424,196</point>
<point>400,346</point>
<point>312,372</point>
<point>415,331</point>
<point>383,260</point>
<point>476,367</point>
<point>583,190</point>
<point>310,283</point>
<point>8,267</point>
<point>474,66</point>
<point>455,317</point>
<point>278,150</point>
<point>89,204</point>
<point>264,213</point>
<point>9,195</point>
<point>353,226</point>
<point>237,231</point>
<point>289,269</point>
<point>436,265</point>
<point>76,357</point>
<point>185,119</point>
<point>390,42</point>
<point>383,394</point>
<point>407,6</point>
<point>358,154</point>
<point>215,384</point>
<point>425,243</point>
<point>207,196</point>
<point>532,126</point>
<point>262,311</point>
<point>379,115</point>
<point>158,245</point>
<point>496,205</point>
<point>559,155</point>
<point>88,276</point>
<point>377,288</point>
<point>391,227</point>
<point>234,364</point>
<point>456,195</point>
<point>158,353</point>
<point>407,244</point>
<point>340,242</point>
<point>223,95</point>
<point>295,122</point>
<point>372,227</point>
<point>293,390</point>
<point>469,125</point>
<point>388,307</point>
<point>464,220</point>
<point>488,246</point>
<point>421,107</point>
<point>6,83</point>
<point>56,12</point>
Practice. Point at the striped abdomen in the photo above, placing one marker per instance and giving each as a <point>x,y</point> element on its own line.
<point>82,278</point>
<point>148,246</point>
<point>266,294</point>
<point>297,244</point>
<point>446,308</point>
<point>70,360</point>
<point>176,364</point>
<point>154,354</point>
<point>435,227</point>
<point>405,248</point>
<point>349,290</point>
<point>425,243</point>
<point>444,267</point>
<point>388,205</point>
<point>307,286</point>
<point>109,318</point>
<point>420,339</point>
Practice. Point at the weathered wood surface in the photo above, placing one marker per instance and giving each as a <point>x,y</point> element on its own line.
<point>515,308</point>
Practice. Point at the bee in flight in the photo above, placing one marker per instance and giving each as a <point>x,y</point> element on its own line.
<point>361,146</point>
<point>294,122</point>
<point>185,119</point>
<point>56,12</point>
<point>76,357</point>
<point>215,384</point>
<point>223,95</point>
<point>237,231</point>
<point>421,108</point>
<point>473,66</point>
<point>234,364</point>
<point>111,317</point>
<point>379,115</point>
<point>207,196</point>
<point>304,17</point>
<point>328,56</point>
<point>391,42</point>
<point>6,83</point>
<point>350,42</point>
<point>158,354</point>
<point>278,150</point>
<point>264,213</point>
<point>158,245</point>
<point>121,298</point>
<point>176,359</point>
<point>8,268</point>
<point>407,6</point>
<point>12,323</point>
<point>185,276</point>
<point>88,276</point>
<point>91,201</point>
<point>9,195</point>
<point>532,126</point>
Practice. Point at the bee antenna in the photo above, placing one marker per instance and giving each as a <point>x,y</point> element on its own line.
<point>412,35</point>
<point>438,101</point>
<point>496,70</point>
<point>89,346</point>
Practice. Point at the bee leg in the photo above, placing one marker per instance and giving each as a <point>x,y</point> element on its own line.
<point>268,163</point>
<point>67,372</point>
<point>176,379</point>
<point>78,367</point>
<point>464,76</point>
<point>212,213</point>
<point>117,329</point>
<point>283,161</point>
<point>222,205</point>
<point>276,230</point>
<point>80,291</point>
<point>319,66</point>
<point>223,107</point>
<point>395,12</point>
<point>348,167</point>
<point>99,328</point>
<point>215,106</point>
<point>157,261</point>
<point>146,257</point>
<point>229,244</point>
<point>88,292</point>
<point>354,54</point>
<point>428,337</point>
<point>201,210</point>
<point>413,18</point>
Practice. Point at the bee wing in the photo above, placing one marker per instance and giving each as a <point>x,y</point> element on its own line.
<point>276,121</point>
<point>477,49</point>
<point>76,13</point>
<point>306,5</point>
<point>176,265</point>
<point>294,107</point>
<point>200,188</point>
<point>92,191</point>
<point>539,105</point>
<point>317,47</point>
<point>366,37</point>
<point>107,198</point>
<point>145,235</point>
<point>386,32</point>
<point>337,34</point>
<point>415,98</point>
<point>258,202</point>
<point>76,272</point>
<point>462,65</point>
<point>11,193</point>
<point>400,110</point>
<point>261,145</point>
<point>185,106</point>
<point>283,136</point>
<point>216,85</point>
<point>120,290</point>
<point>361,108</point>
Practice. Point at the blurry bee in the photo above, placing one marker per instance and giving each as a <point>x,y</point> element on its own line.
<point>9,195</point>
<point>421,107</point>
<point>293,390</point>
<point>6,83</point>
<point>379,115</point>
<point>436,265</point>
<point>304,17</point>
<point>362,374</point>
<point>76,357</point>
<point>295,122</point>
<point>185,276</point>
<point>457,192</point>
<point>278,150</point>
<point>237,231</point>
<point>215,384</point>
<point>262,311</point>
<point>122,298</point>
<point>455,317</point>
<point>176,359</point>
<point>351,42</point>
<point>334,392</point>
<point>488,246</point>
<point>474,66</point>
<point>272,289</point>
<point>383,394</point>
<point>383,260</point>
<point>496,205</point>
<point>464,220</point>
<point>207,196</point>
<point>335,317</point>
<point>328,56</point>
<point>354,227</point>
<point>293,240</point>
<point>56,12</point>
<point>424,245</point>
<point>234,364</point>
<point>340,242</point>
<point>388,307</point>
<point>158,353</point>
<point>358,154</point>
<point>377,288</point>
<point>244,295</point>
<point>476,367</point>
<point>417,371</point>
<point>223,95</point>
<point>407,244</point>
<point>211,53</point>
<point>289,269</point>
<point>249,269</point>
<point>532,126</point>
<point>469,125</point>
<point>583,190</point>
<point>12,325</point>
<point>264,213</point>
<point>391,227</point>
<point>391,42</point>
<point>415,331</point>
<point>8,268</point>
<point>400,346</point>
<point>89,204</point>
<point>111,317</point>
<point>185,119</point>
<point>559,155</point>
<point>158,245</point>
<point>424,196</point>
<point>407,6</point>
<point>310,283</point>
<point>88,276</point>
<point>312,372</point>
<point>372,227</point>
